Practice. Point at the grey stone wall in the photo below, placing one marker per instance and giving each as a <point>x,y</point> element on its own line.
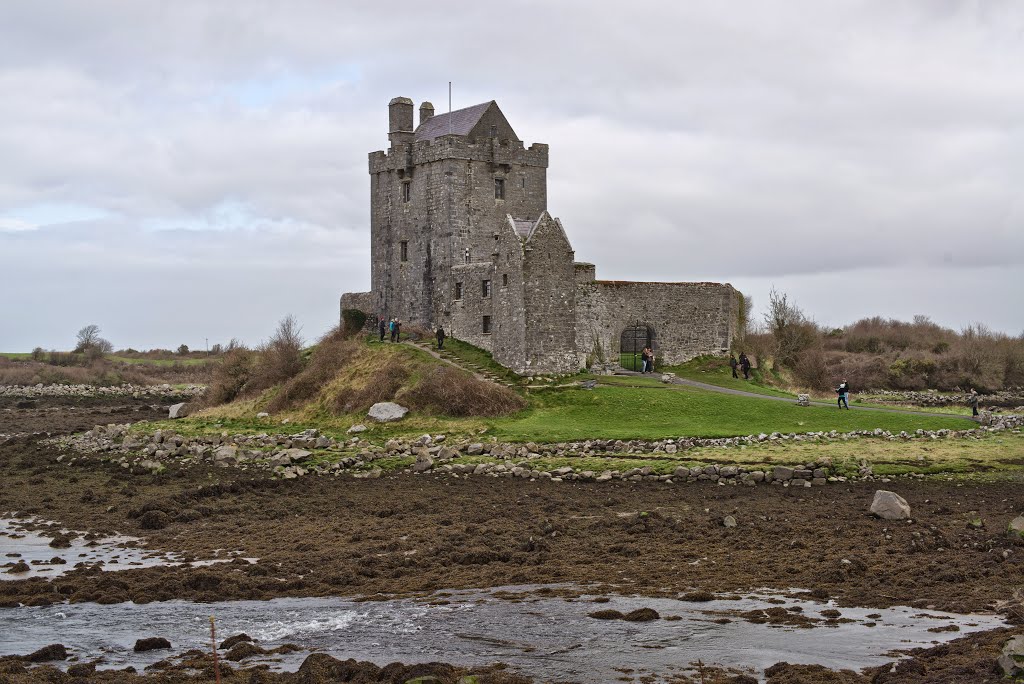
<point>549,298</point>
<point>688,319</point>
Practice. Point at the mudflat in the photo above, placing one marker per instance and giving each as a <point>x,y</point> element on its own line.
<point>404,533</point>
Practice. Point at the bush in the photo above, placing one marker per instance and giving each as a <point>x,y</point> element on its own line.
<point>453,392</point>
<point>332,352</point>
<point>183,350</point>
<point>353,321</point>
<point>382,386</point>
<point>230,377</point>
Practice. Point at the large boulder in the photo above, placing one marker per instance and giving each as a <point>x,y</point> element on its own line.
<point>890,506</point>
<point>1012,658</point>
<point>387,412</point>
<point>803,400</point>
<point>151,644</point>
<point>178,411</point>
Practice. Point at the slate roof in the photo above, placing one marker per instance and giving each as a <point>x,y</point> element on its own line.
<point>463,121</point>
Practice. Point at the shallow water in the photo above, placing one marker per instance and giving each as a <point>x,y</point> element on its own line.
<point>543,637</point>
<point>116,552</point>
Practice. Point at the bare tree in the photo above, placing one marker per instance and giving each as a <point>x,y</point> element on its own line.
<point>91,344</point>
<point>792,331</point>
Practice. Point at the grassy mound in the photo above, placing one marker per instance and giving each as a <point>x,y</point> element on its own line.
<point>343,376</point>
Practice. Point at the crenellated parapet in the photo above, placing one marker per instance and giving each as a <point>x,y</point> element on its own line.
<point>490,150</point>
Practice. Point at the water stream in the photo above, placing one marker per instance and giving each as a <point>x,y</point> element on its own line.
<point>541,636</point>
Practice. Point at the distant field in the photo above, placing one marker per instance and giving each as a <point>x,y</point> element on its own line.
<point>16,355</point>
<point>160,362</point>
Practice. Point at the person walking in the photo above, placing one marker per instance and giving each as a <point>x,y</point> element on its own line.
<point>440,337</point>
<point>391,329</point>
<point>645,358</point>
<point>733,363</point>
<point>843,390</point>
<point>383,328</point>
<point>972,401</point>
<point>398,330</point>
<point>745,365</point>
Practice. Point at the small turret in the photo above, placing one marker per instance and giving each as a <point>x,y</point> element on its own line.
<point>426,111</point>
<point>400,120</point>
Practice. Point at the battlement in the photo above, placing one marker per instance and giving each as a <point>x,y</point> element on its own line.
<point>490,150</point>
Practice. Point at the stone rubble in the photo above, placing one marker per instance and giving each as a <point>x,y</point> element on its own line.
<point>309,452</point>
<point>127,390</point>
<point>890,506</point>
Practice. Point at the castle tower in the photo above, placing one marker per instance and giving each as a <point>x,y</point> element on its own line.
<point>439,196</point>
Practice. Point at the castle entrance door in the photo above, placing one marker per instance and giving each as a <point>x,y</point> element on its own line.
<point>631,345</point>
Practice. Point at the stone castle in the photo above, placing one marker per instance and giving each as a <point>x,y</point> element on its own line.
<point>460,237</point>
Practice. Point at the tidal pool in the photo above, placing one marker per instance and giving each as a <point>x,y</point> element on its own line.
<point>542,636</point>
<point>21,540</point>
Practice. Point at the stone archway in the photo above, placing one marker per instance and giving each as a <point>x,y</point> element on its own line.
<point>632,340</point>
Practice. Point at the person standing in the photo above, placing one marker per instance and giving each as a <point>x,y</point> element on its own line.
<point>645,358</point>
<point>398,330</point>
<point>972,401</point>
<point>843,390</point>
<point>745,365</point>
<point>391,328</point>
<point>383,328</point>
<point>733,363</point>
<point>440,337</point>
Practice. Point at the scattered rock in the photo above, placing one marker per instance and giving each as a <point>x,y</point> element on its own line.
<point>890,506</point>
<point>82,669</point>
<point>262,414</point>
<point>803,400</point>
<point>607,614</point>
<point>1016,528</point>
<point>178,411</point>
<point>641,615</point>
<point>20,566</point>
<point>61,541</point>
<point>151,644</point>
<point>236,639</point>
<point>47,653</point>
<point>387,412</point>
<point>154,520</point>
<point>244,649</point>
<point>357,429</point>
<point>729,521</point>
<point>1011,660</point>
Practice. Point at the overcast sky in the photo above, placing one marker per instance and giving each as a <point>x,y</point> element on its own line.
<point>181,171</point>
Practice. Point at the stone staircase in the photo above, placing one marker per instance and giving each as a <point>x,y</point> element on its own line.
<point>476,370</point>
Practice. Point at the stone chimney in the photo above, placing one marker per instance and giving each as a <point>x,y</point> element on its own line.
<point>426,111</point>
<point>400,120</point>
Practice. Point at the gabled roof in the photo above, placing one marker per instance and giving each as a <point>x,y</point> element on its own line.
<point>463,121</point>
<point>523,227</point>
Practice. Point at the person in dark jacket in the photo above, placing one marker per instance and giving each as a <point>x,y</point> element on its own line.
<point>383,328</point>
<point>392,328</point>
<point>745,365</point>
<point>972,401</point>
<point>733,363</point>
<point>440,337</point>
<point>843,391</point>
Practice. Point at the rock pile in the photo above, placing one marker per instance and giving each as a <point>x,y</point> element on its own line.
<point>127,390</point>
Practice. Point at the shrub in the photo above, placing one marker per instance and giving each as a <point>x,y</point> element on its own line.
<point>353,321</point>
<point>183,349</point>
<point>230,377</point>
<point>453,392</point>
<point>279,359</point>
<point>332,352</point>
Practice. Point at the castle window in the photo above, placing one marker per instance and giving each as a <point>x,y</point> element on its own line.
<point>458,291</point>
<point>524,182</point>
<point>486,288</point>
<point>504,279</point>
<point>499,188</point>
<point>406,191</point>
<point>487,325</point>
<point>494,131</point>
<point>405,250</point>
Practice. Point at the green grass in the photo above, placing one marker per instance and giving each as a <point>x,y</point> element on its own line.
<point>715,370</point>
<point>617,412</point>
<point>469,354</point>
<point>16,356</point>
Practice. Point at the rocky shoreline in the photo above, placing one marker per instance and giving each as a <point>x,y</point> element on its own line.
<point>311,453</point>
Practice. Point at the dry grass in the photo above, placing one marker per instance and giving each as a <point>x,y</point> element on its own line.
<point>453,392</point>
<point>382,385</point>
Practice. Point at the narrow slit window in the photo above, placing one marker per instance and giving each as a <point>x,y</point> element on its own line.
<point>406,192</point>
<point>405,250</point>
<point>458,291</point>
<point>499,188</point>
<point>487,325</point>
<point>504,279</point>
<point>486,288</point>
